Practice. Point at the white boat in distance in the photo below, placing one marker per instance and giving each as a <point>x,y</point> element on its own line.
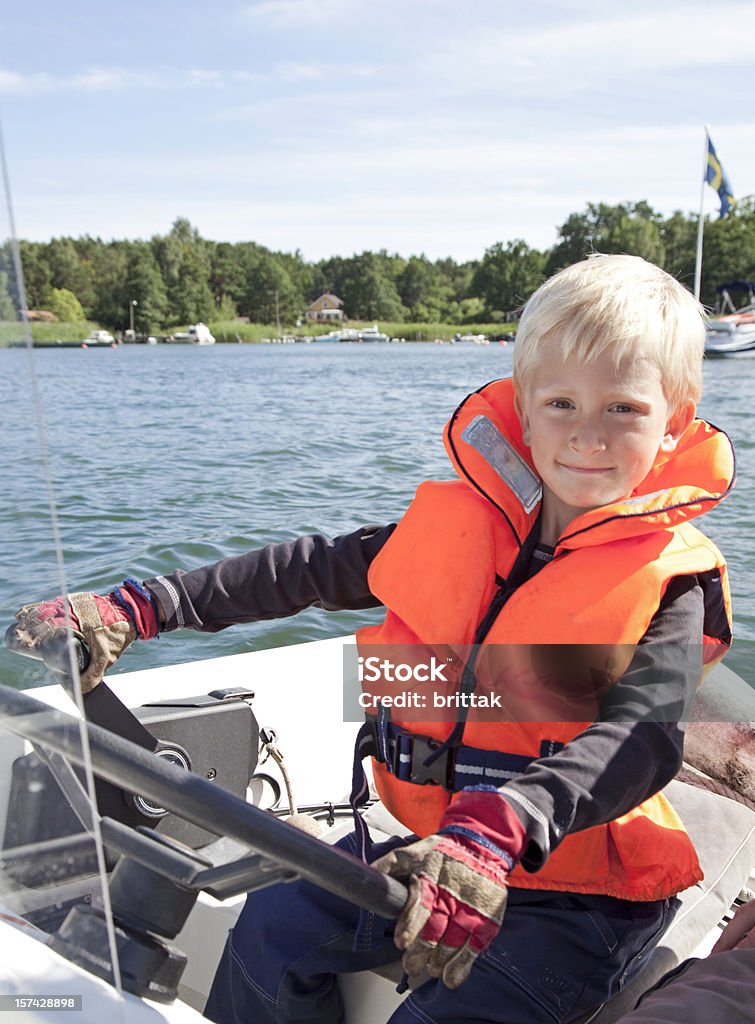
<point>226,717</point>
<point>99,339</point>
<point>354,334</point>
<point>372,334</point>
<point>733,333</point>
<point>197,334</point>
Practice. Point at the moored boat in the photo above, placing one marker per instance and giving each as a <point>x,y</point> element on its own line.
<point>197,334</point>
<point>99,339</point>
<point>372,334</point>
<point>732,333</point>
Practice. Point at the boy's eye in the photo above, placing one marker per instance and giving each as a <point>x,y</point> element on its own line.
<point>560,403</point>
<point>621,407</point>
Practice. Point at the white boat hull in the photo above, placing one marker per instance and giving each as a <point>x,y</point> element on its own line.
<point>730,335</point>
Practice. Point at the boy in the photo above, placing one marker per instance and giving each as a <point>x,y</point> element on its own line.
<point>547,860</point>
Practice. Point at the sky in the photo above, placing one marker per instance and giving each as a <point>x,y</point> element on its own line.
<point>337,126</point>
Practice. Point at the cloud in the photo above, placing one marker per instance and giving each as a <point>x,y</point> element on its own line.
<point>297,13</point>
<point>592,51</point>
<point>12,82</point>
<point>170,79</point>
<point>205,77</point>
<point>100,80</point>
<point>108,80</point>
<point>291,71</point>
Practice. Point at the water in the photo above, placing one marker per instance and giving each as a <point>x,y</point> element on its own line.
<point>166,457</point>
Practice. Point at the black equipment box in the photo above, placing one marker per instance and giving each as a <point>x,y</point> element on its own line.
<point>221,737</point>
<point>215,735</point>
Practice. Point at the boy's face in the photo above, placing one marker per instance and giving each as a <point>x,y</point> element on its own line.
<point>594,430</point>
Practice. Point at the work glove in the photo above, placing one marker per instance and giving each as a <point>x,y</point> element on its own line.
<point>457,880</point>
<point>105,625</point>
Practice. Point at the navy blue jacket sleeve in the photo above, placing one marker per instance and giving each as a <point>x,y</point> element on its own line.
<point>273,582</point>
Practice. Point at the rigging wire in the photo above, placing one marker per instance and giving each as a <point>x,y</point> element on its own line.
<point>60,562</point>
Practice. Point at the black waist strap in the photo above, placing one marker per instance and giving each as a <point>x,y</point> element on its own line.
<point>414,758</point>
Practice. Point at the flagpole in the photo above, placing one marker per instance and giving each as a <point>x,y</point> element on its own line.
<point>700,220</point>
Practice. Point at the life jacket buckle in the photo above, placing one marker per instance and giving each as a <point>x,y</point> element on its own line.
<point>439,772</point>
<point>404,753</point>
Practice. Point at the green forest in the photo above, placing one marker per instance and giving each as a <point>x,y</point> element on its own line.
<point>182,278</point>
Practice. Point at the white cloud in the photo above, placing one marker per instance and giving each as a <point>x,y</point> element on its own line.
<point>582,53</point>
<point>13,82</point>
<point>205,77</point>
<point>170,79</point>
<point>97,80</point>
<point>297,13</point>
<point>291,71</point>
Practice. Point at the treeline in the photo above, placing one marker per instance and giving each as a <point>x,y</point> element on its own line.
<point>180,278</point>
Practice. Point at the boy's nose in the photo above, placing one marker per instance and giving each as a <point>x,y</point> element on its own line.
<point>587,439</point>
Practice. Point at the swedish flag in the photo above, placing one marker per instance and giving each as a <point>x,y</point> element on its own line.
<point>715,175</point>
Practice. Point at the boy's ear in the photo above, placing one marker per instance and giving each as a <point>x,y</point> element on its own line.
<point>678,422</point>
<point>523,419</point>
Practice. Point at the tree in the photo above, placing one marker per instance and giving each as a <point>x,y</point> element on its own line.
<point>679,238</point>
<point>728,249</point>
<point>226,273</point>
<point>144,284</point>
<point>36,273</point>
<point>110,271</point>
<point>66,307</point>
<point>269,293</point>
<point>633,228</point>
<point>184,263</point>
<point>423,289</point>
<point>10,302</point>
<point>8,305</point>
<point>68,271</point>
<point>368,289</point>
<point>507,276</point>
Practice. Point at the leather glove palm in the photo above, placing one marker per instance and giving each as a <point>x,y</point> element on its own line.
<point>106,625</point>
<point>457,882</point>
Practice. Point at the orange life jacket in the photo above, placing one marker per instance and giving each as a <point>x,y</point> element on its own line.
<point>441,569</point>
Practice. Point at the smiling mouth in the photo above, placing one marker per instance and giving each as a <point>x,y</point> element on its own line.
<point>587,469</point>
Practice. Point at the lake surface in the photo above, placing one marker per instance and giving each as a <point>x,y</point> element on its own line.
<point>165,457</point>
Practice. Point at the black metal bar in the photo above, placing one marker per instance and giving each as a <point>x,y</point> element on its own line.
<point>202,803</point>
<point>152,852</point>
<point>245,875</point>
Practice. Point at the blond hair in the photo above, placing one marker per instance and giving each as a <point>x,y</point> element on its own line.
<point>621,303</point>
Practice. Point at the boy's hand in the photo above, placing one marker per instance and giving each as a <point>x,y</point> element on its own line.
<point>105,625</point>
<point>457,885</point>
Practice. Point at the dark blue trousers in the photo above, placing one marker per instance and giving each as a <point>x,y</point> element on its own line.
<point>557,956</point>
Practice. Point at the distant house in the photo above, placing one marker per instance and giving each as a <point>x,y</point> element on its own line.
<point>40,316</point>
<point>325,309</point>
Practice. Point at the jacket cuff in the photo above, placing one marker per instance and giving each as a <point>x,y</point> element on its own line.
<point>166,595</point>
